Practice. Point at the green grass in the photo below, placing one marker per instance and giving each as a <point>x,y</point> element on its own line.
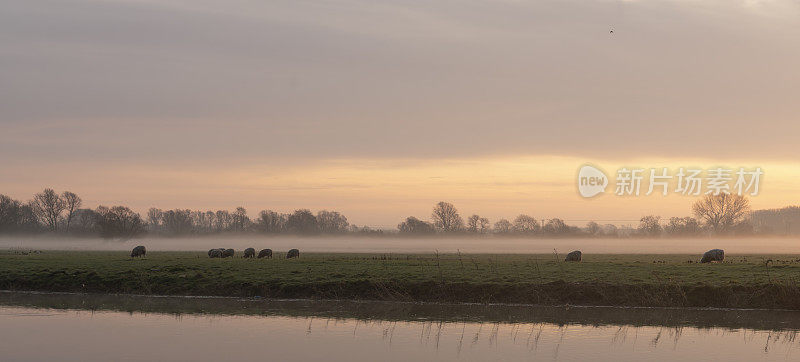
<point>641,280</point>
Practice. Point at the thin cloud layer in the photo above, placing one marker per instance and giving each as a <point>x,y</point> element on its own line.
<point>182,79</point>
<point>207,104</point>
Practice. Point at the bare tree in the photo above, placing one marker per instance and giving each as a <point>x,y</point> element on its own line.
<point>610,230</point>
<point>240,219</point>
<point>446,217</point>
<point>199,221</point>
<point>525,224</point>
<point>85,221</point>
<point>72,203</point>
<point>271,222</point>
<point>119,222</point>
<point>484,226</point>
<point>302,222</point>
<point>555,226</point>
<point>177,222</point>
<point>477,224</point>
<point>650,225</point>
<point>503,226</point>
<point>331,222</point>
<point>154,218</point>
<point>222,220</point>
<point>472,223</point>
<point>721,212</point>
<point>48,206</point>
<point>413,225</point>
<point>593,228</point>
<point>16,216</point>
<point>9,213</point>
<point>682,226</point>
<point>211,219</point>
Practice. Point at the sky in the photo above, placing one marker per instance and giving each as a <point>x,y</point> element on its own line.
<point>379,109</point>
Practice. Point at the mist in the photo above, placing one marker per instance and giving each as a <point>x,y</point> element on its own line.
<point>349,244</point>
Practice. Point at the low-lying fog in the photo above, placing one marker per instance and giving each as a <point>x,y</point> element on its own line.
<point>351,244</point>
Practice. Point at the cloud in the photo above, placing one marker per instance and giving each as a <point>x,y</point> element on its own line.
<point>185,80</point>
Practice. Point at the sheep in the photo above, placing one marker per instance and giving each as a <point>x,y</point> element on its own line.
<point>138,251</point>
<point>215,253</point>
<point>249,253</point>
<point>228,252</point>
<point>294,253</point>
<point>265,253</point>
<point>574,256</point>
<point>712,255</point>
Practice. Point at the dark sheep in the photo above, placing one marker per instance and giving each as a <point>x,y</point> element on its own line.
<point>294,253</point>
<point>215,253</point>
<point>228,252</point>
<point>249,253</point>
<point>713,255</point>
<point>574,256</point>
<point>265,253</point>
<point>211,251</point>
<point>138,251</point>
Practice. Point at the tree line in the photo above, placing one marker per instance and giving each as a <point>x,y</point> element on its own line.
<point>723,214</point>
<point>302,221</point>
<point>783,221</point>
<point>62,213</point>
<point>51,212</point>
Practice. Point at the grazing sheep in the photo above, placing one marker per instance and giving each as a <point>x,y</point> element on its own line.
<point>228,252</point>
<point>138,251</point>
<point>294,253</point>
<point>215,253</point>
<point>249,253</point>
<point>265,253</point>
<point>211,251</point>
<point>713,255</point>
<point>574,256</point>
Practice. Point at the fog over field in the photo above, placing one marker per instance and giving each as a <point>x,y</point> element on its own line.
<point>484,245</point>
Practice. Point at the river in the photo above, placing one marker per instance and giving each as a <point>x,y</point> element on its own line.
<point>78,327</point>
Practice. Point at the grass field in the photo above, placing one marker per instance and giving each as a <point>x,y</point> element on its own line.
<point>743,281</point>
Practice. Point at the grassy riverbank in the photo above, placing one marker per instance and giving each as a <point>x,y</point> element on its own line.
<point>632,280</point>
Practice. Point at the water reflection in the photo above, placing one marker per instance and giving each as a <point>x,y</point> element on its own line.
<point>393,311</point>
<point>87,327</point>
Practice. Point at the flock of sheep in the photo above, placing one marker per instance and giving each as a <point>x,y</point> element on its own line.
<point>250,253</point>
<point>713,255</point>
<point>141,251</point>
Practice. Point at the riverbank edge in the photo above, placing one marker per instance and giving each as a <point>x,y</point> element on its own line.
<point>700,295</point>
<point>755,319</point>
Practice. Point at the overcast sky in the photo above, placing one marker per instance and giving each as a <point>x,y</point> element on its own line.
<point>97,89</point>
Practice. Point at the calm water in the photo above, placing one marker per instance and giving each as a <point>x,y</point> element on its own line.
<point>103,328</point>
